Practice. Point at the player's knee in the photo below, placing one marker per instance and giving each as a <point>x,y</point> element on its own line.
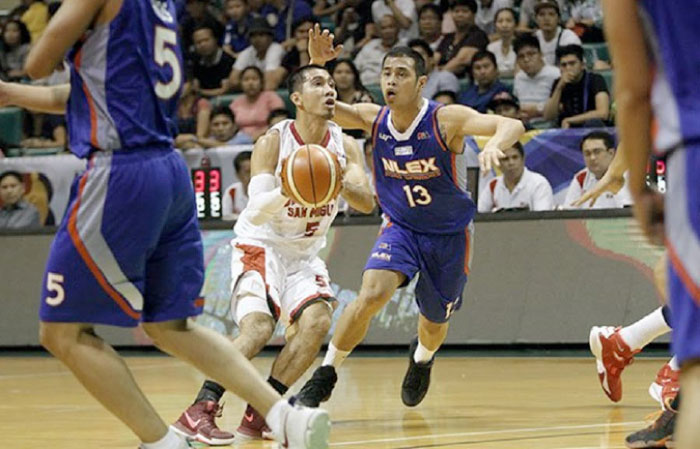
<point>58,338</point>
<point>257,328</point>
<point>316,320</point>
<point>373,296</point>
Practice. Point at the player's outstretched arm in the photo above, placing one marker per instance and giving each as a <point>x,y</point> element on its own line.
<point>65,28</point>
<point>461,121</point>
<point>266,198</point>
<point>356,188</point>
<point>612,181</point>
<point>49,99</point>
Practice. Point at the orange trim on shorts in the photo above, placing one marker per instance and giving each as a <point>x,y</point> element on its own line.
<point>90,102</point>
<point>685,278</point>
<point>92,266</point>
<point>199,302</point>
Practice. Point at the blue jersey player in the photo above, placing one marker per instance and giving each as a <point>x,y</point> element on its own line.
<point>657,60</point>
<point>128,250</point>
<point>429,214</point>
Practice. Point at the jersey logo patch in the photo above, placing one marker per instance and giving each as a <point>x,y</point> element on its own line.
<point>419,169</point>
<point>422,135</point>
<point>405,150</point>
<point>384,137</point>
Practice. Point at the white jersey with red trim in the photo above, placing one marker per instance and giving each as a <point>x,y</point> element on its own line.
<point>583,181</point>
<point>297,231</point>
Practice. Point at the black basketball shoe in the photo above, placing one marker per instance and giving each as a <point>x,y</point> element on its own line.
<point>658,434</point>
<point>417,379</point>
<point>319,388</point>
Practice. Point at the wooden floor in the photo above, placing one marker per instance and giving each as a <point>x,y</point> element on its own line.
<point>485,403</point>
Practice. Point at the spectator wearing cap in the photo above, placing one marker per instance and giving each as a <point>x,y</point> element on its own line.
<point>502,48</point>
<point>485,82</point>
<point>438,80</point>
<point>263,53</point>
<point>505,104</point>
<point>445,97</point>
<point>286,13</point>
<point>533,83</point>
<point>549,33</point>
<point>404,11</point>
<point>486,14</point>
<point>527,24</point>
<point>298,56</point>
<point>369,59</point>
<point>212,67</point>
<point>456,49</point>
<point>517,188</point>
<point>236,33</point>
<point>430,25</point>
<point>579,97</point>
<point>16,213</point>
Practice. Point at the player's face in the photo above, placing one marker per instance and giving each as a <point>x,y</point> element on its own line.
<point>547,19</point>
<point>399,84</point>
<point>204,42</point>
<point>505,23</point>
<point>11,190</point>
<point>463,17</point>
<point>429,23</point>
<point>235,9</point>
<point>596,156</point>
<point>251,84</point>
<point>484,72</point>
<point>244,172</point>
<point>222,128</point>
<point>512,164</point>
<point>318,94</point>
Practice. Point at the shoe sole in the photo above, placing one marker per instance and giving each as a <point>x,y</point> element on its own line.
<point>649,444</point>
<point>318,431</point>
<point>201,438</point>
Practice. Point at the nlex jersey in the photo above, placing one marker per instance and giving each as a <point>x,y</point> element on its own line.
<point>420,185</point>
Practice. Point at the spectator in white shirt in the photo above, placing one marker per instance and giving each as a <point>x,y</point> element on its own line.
<point>369,59</point>
<point>404,11</point>
<point>517,187</point>
<point>598,148</point>
<point>533,83</point>
<point>236,195</point>
<point>487,12</point>
<point>503,47</point>
<point>549,33</point>
<point>263,53</point>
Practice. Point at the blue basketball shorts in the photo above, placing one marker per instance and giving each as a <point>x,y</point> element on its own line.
<point>442,262</point>
<point>683,242</point>
<point>129,247</point>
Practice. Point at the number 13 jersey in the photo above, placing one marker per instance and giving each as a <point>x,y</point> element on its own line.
<point>125,81</point>
<point>419,181</point>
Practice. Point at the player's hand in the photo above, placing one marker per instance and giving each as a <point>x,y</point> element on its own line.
<point>649,211</point>
<point>490,157</point>
<point>608,183</point>
<point>284,188</point>
<point>321,49</point>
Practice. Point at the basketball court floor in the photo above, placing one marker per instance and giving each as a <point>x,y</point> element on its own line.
<point>474,402</point>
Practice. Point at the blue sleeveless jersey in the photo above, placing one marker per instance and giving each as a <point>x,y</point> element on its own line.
<point>673,34</point>
<point>126,77</point>
<point>416,176</point>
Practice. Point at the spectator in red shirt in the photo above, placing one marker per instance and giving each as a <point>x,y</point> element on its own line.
<point>253,107</point>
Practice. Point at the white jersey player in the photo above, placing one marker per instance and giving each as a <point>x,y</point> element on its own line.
<point>275,269</point>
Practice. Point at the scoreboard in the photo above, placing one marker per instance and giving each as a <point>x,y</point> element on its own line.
<point>207,192</point>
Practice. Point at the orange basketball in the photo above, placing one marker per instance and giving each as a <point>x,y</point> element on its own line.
<point>311,175</point>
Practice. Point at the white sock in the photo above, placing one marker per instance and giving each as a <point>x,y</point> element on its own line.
<point>422,354</point>
<point>334,356</point>
<point>170,441</point>
<point>275,416</point>
<point>673,363</point>
<point>644,331</point>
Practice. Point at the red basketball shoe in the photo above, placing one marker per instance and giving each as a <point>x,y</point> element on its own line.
<point>665,388</point>
<point>612,356</point>
<point>198,423</point>
<point>253,427</point>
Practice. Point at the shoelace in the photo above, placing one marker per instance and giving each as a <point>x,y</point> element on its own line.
<point>209,415</point>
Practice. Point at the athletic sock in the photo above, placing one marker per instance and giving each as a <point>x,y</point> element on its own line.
<point>334,356</point>
<point>641,333</point>
<point>666,310</point>
<point>423,354</point>
<point>169,441</point>
<point>673,363</point>
<point>277,385</point>
<point>275,416</point>
<point>210,391</point>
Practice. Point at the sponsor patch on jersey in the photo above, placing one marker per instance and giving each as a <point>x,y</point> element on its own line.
<point>384,137</point>
<point>381,256</point>
<point>405,150</point>
<point>422,135</point>
<point>385,246</point>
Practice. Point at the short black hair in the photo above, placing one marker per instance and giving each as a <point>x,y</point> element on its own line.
<point>605,136</point>
<point>422,44</point>
<point>519,146</point>
<point>296,79</point>
<point>408,52</point>
<point>430,7</point>
<point>223,110</point>
<point>14,173</point>
<point>567,50</point>
<point>240,158</point>
<point>526,40</point>
<point>279,112</point>
<point>484,54</point>
<point>24,36</point>
<point>204,26</point>
<point>448,93</point>
<point>297,23</point>
<point>471,4</point>
<point>255,69</point>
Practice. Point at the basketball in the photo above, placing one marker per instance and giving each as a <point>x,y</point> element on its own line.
<point>311,176</point>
